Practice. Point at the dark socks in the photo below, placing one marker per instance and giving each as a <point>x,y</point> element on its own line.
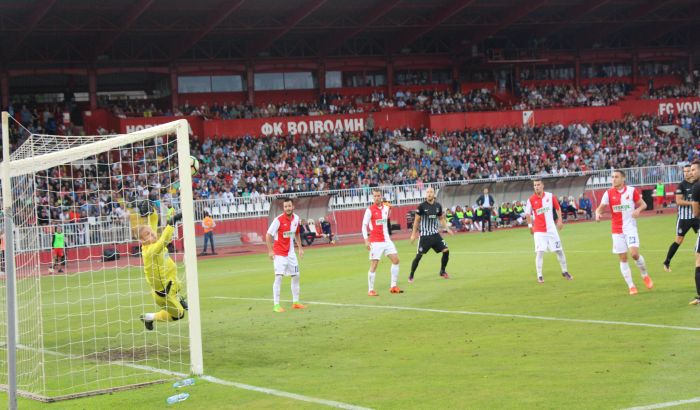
<point>414,265</point>
<point>443,262</point>
<point>697,279</point>
<point>671,251</point>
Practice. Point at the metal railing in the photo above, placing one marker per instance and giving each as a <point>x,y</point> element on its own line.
<point>358,198</point>
<point>77,234</point>
<point>236,208</point>
<point>669,174</point>
<point>106,230</point>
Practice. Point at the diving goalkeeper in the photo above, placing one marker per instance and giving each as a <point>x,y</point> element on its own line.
<point>161,274</point>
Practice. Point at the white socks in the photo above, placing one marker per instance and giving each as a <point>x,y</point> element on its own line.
<point>562,261</point>
<point>149,317</point>
<point>295,289</point>
<point>642,266</point>
<point>626,273</point>
<point>394,275</point>
<point>539,260</point>
<point>276,287</point>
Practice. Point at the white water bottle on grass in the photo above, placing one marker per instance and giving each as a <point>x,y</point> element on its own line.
<point>183,383</point>
<point>177,398</point>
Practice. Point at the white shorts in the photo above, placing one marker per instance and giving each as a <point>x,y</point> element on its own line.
<point>377,249</point>
<point>547,241</point>
<point>286,265</point>
<point>623,241</point>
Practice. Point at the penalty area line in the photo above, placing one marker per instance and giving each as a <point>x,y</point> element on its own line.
<point>216,380</point>
<point>666,404</point>
<point>294,396</point>
<point>265,390</point>
<point>474,313</point>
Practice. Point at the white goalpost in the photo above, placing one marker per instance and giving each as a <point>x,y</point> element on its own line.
<point>72,281</point>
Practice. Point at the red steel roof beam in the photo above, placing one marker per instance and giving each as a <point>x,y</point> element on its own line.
<point>289,24</point>
<point>214,19</point>
<point>510,18</point>
<point>579,11</point>
<point>408,36</point>
<point>134,12</point>
<point>372,16</point>
<point>36,14</point>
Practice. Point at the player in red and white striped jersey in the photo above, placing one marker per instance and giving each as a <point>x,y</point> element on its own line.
<point>284,231</point>
<point>539,211</point>
<point>375,230</point>
<point>625,205</point>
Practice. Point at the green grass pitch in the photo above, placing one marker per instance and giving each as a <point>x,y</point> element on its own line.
<point>359,350</point>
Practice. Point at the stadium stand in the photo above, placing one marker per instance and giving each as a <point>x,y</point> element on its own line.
<point>319,100</point>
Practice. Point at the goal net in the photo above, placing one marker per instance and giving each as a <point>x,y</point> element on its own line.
<point>72,210</point>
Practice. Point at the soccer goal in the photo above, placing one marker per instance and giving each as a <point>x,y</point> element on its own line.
<point>72,282</point>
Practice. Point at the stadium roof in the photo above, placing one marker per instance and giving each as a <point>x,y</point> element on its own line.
<point>99,32</point>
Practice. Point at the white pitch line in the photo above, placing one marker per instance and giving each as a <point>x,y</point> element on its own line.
<point>294,396</point>
<point>667,404</point>
<point>472,313</point>
<point>216,380</point>
<point>510,252</point>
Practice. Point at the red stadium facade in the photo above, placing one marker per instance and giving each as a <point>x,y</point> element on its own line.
<point>275,51</point>
<point>397,119</point>
<point>90,60</point>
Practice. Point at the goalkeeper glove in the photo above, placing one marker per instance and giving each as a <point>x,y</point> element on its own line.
<point>175,218</point>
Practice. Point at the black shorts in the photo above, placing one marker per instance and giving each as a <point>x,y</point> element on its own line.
<point>684,225</point>
<point>434,242</point>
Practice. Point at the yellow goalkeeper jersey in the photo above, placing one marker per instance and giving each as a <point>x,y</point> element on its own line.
<point>138,220</point>
<point>158,267</point>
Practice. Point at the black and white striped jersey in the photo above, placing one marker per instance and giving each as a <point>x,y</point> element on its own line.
<point>695,194</point>
<point>429,218</point>
<point>685,189</point>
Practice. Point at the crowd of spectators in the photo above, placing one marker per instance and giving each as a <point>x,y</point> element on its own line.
<point>114,187</point>
<point>110,185</point>
<point>434,101</point>
<point>38,118</point>
<point>676,91</point>
<point>551,96</point>
<point>138,108</point>
<point>251,167</point>
<point>440,101</point>
<point>325,105</point>
<point>690,87</point>
<point>255,167</point>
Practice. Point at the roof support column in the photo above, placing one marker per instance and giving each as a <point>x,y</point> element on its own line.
<point>92,88</point>
<point>321,74</point>
<point>174,90</point>
<point>455,73</point>
<point>390,79</point>
<point>250,82</point>
<point>5,89</point>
